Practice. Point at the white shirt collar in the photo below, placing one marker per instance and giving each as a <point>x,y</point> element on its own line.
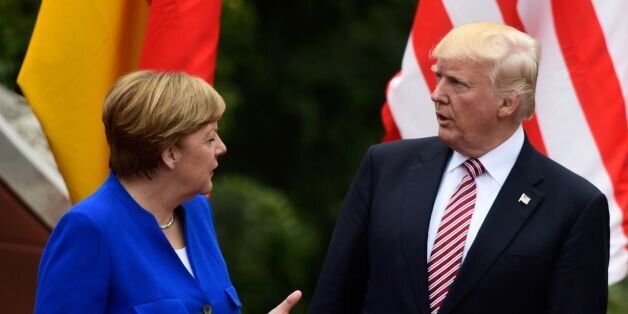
<point>499,161</point>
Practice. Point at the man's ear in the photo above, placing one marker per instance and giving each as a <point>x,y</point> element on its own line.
<point>509,106</point>
<point>169,156</point>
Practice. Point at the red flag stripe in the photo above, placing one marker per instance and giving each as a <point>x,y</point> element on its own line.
<point>392,132</point>
<point>431,23</point>
<point>182,36</point>
<point>597,87</point>
<point>612,18</point>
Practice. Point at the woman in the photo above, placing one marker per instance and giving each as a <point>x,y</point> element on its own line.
<point>144,242</point>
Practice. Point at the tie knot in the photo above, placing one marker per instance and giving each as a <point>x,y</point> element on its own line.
<point>474,167</point>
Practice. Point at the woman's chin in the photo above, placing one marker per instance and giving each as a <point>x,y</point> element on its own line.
<point>208,188</point>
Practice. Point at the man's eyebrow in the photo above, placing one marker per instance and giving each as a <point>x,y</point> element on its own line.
<point>455,75</point>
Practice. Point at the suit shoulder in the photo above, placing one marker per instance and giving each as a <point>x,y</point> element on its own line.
<point>405,153</point>
<point>566,180</point>
<point>407,146</point>
<point>102,208</point>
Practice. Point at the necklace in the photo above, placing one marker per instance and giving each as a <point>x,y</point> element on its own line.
<point>168,224</point>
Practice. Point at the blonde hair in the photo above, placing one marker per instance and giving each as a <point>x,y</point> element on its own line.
<point>147,112</point>
<point>514,55</point>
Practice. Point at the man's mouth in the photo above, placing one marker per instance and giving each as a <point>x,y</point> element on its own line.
<point>441,118</point>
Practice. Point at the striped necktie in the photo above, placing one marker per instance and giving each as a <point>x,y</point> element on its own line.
<point>446,257</point>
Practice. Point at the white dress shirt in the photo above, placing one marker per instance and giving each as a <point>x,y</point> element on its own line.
<point>183,256</point>
<point>498,163</point>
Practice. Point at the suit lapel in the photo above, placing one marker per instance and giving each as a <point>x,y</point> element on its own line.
<point>502,223</point>
<point>422,182</point>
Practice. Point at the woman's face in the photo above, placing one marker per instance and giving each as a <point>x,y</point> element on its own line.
<point>197,157</point>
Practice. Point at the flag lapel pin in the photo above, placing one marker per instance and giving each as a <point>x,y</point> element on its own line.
<point>524,199</point>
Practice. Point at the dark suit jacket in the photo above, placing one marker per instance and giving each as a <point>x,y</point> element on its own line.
<point>549,256</point>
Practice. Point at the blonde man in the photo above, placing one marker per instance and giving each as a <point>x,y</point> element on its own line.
<point>144,242</point>
<point>474,220</point>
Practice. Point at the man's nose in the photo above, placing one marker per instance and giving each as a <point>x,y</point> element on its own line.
<point>438,95</point>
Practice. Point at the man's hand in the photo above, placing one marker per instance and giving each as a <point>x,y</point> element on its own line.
<point>287,304</point>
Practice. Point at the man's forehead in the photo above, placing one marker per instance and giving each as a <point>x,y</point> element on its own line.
<point>460,65</point>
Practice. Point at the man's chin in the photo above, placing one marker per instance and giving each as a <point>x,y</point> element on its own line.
<point>446,136</point>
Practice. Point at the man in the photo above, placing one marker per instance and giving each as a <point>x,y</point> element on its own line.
<point>474,220</point>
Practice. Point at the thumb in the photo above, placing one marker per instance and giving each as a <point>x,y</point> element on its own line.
<point>288,303</point>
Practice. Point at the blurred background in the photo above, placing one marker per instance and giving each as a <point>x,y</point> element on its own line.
<point>304,83</point>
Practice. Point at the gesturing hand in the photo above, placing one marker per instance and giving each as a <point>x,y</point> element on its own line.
<point>287,304</point>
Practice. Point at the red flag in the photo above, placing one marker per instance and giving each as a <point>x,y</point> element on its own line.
<point>182,35</point>
<point>580,118</point>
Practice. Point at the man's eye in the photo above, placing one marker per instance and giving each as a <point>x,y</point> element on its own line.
<point>459,85</point>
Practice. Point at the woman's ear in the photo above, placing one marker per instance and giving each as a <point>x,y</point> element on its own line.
<point>169,156</point>
<point>509,106</point>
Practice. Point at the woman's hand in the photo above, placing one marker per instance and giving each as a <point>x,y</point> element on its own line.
<point>287,304</point>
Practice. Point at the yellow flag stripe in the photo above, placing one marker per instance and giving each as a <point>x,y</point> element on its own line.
<point>78,49</point>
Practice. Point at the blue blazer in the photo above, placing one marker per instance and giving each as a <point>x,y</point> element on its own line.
<point>108,255</point>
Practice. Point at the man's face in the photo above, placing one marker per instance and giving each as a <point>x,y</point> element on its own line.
<point>466,106</point>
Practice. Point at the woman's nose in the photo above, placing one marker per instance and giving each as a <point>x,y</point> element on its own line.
<point>222,148</point>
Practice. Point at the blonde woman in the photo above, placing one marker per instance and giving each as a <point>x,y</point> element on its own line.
<point>145,242</point>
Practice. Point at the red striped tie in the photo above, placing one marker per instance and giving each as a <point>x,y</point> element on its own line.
<point>446,256</point>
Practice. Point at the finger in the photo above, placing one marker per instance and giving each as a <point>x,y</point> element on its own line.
<point>288,303</point>
<point>293,299</point>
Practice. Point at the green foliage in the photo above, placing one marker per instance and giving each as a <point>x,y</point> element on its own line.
<point>618,298</point>
<point>266,246</point>
<point>304,83</point>
<point>17,20</point>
